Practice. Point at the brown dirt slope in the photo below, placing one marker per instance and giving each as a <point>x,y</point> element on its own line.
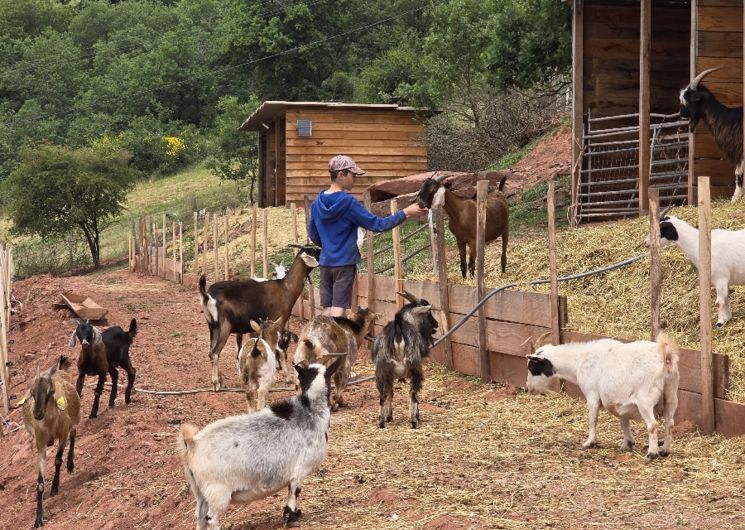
<point>484,457</point>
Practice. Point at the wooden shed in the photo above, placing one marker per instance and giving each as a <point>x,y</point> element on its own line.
<point>631,58</point>
<point>296,140</point>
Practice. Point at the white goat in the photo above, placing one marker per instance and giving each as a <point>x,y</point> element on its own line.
<point>727,257</point>
<point>631,381</point>
<point>249,457</point>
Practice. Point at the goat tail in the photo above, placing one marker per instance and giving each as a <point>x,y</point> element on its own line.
<point>185,441</point>
<point>133,328</point>
<point>203,288</point>
<point>668,349</point>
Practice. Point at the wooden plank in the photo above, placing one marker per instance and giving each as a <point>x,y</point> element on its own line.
<point>553,268</point>
<point>655,269</point>
<point>370,278</point>
<point>644,91</point>
<point>721,3</point>
<point>346,143</point>
<point>320,117</point>
<point>399,150</point>
<point>311,289</point>
<point>509,369</point>
<point>704,279</point>
<point>254,221</point>
<point>215,245</point>
<point>731,71</point>
<point>227,246</point>
<point>729,416</point>
<point>332,134</point>
<point>398,272</point>
<point>577,97</point>
<point>206,238</point>
<point>484,359</point>
<point>265,243</point>
<point>181,252</point>
<point>720,44</point>
<point>361,127</point>
<point>716,18</point>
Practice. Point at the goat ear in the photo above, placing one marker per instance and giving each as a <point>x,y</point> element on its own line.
<point>408,296</point>
<point>309,260</point>
<point>71,342</point>
<point>255,326</point>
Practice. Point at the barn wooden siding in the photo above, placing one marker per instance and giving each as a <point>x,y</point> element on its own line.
<point>386,144</point>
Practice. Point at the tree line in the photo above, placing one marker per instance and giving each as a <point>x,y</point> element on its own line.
<point>147,87</point>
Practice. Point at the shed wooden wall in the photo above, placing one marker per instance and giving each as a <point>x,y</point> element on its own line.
<point>611,58</point>
<point>719,42</point>
<point>385,144</point>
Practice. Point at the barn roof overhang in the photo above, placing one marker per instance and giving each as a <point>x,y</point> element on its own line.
<point>269,109</point>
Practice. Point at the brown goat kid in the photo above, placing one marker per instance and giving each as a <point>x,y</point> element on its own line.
<point>462,215</point>
<point>257,362</point>
<point>230,306</point>
<point>324,337</point>
<point>52,412</point>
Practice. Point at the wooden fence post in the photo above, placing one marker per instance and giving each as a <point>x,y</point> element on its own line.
<point>311,289</point>
<point>206,238</point>
<point>265,243</point>
<point>215,245</point>
<point>553,267</point>
<point>370,259</point>
<point>196,243</point>
<point>181,252</point>
<point>484,359</point>
<point>442,277</point>
<point>165,246</point>
<point>173,250</point>
<point>293,222</point>
<point>227,247</point>
<point>708,420</point>
<point>397,266</point>
<point>4,374</point>
<point>655,268</point>
<point>254,220</point>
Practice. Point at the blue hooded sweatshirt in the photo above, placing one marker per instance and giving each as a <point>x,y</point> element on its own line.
<point>333,226</point>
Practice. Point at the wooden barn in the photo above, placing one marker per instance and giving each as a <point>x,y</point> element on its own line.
<point>631,58</point>
<point>296,140</point>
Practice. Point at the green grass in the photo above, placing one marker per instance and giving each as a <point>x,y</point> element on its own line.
<point>530,213</point>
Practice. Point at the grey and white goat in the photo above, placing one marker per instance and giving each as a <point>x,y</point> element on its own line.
<point>398,352</point>
<point>249,457</point>
<point>637,380</point>
<point>257,362</point>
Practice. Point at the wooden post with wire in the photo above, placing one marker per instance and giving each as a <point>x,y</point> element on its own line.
<point>370,259</point>
<point>398,273</point>
<point>442,281</point>
<point>227,246</point>
<point>484,359</point>
<point>295,240</point>
<point>4,374</point>
<point>265,242</point>
<point>215,245</point>
<point>254,220</point>
<point>164,247</point>
<point>174,261</point>
<point>655,268</point>
<point>708,420</point>
<point>181,252</point>
<point>311,289</point>
<point>552,263</point>
<point>206,239</point>
<point>196,243</point>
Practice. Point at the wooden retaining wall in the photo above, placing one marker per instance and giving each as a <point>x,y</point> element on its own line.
<point>512,317</point>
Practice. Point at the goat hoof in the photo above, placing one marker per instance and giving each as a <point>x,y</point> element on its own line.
<point>70,468</point>
<point>591,445</point>
<point>39,522</point>
<point>381,424</point>
<point>413,425</point>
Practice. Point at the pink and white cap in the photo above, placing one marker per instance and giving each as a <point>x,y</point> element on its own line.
<point>344,163</point>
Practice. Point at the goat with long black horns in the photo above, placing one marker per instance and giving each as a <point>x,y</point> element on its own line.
<point>697,103</point>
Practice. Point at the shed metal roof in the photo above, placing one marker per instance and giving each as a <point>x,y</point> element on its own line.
<point>269,109</point>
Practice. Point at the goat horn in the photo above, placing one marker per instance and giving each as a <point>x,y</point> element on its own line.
<point>408,296</point>
<point>699,77</point>
<point>664,212</point>
<point>342,354</point>
<point>438,178</point>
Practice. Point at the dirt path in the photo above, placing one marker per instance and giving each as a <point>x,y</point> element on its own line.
<point>485,457</point>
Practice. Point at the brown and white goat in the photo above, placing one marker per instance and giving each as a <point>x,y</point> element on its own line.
<point>398,352</point>
<point>324,337</point>
<point>51,413</point>
<point>257,362</point>
<point>230,306</point>
<point>462,215</point>
<point>103,352</point>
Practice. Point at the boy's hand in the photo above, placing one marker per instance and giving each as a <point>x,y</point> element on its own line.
<point>414,210</point>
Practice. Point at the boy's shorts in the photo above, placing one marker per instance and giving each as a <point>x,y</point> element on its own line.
<point>336,286</point>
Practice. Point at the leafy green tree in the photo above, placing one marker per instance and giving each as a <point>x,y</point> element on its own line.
<point>235,154</point>
<point>56,189</point>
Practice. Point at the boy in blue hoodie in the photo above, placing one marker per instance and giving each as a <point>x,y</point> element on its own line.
<point>334,219</point>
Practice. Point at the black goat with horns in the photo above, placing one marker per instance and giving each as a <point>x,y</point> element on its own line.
<point>696,103</point>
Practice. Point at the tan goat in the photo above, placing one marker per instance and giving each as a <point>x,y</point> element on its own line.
<point>257,362</point>
<point>52,412</point>
<point>324,337</point>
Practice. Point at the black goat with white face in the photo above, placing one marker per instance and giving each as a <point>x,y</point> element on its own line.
<point>398,352</point>
<point>698,103</point>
